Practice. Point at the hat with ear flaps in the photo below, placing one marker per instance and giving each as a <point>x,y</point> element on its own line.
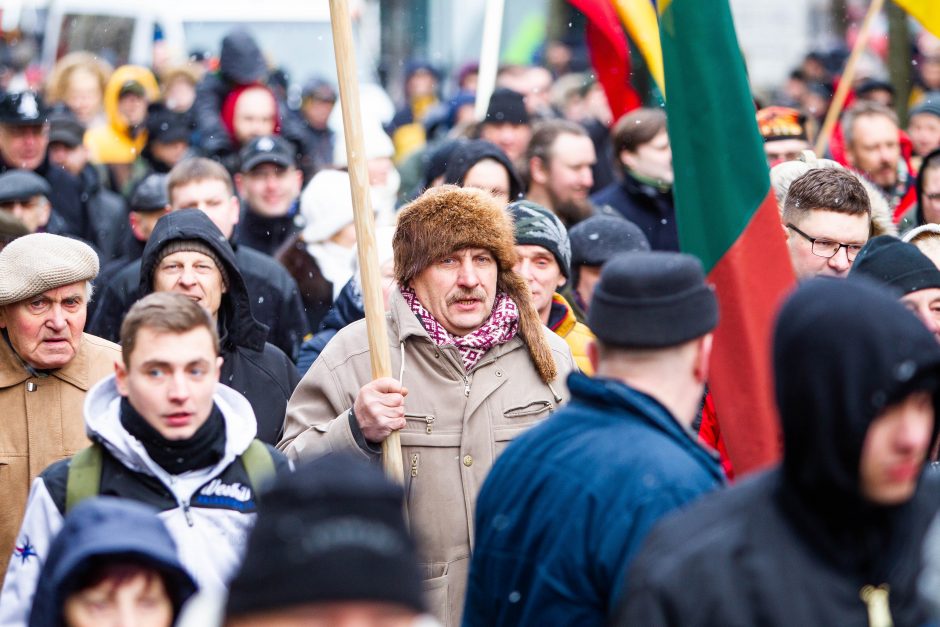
<point>449,218</point>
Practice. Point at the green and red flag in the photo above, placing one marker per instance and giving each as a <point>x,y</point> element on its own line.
<point>726,216</point>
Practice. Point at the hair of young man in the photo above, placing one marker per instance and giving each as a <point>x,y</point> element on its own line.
<point>544,135</point>
<point>931,163</point>
<point>636,128</point>
<point>864,108</point>
<point>164,312</point>
<point>195,170</point>
<point>829,189</point>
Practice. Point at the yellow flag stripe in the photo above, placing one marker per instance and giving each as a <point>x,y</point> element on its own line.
<point>927,12</point>
<point>639,17</point>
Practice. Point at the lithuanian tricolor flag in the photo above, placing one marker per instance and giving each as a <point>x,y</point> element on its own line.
<point>726,216</point>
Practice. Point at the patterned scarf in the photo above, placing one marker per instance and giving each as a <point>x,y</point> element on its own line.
<point>500,327</point>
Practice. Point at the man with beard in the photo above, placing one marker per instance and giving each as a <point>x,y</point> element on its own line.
<point>832,536</point>
<point>873,148</point>
<point>558,163</point>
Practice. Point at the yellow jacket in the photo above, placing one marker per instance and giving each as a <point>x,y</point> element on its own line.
<point>112,142</point>
<point>576,334</point>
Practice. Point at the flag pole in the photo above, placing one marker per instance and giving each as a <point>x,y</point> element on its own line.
<point>845,83</point>
<point>489,56</point>
<point>364,218</point>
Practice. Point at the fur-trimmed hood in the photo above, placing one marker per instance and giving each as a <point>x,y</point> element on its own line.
<point>450,218</point>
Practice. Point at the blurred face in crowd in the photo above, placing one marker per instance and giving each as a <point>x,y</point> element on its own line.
<point>170,379</point>
<point>567,177</point>
<point>826,226</point>
<point>194,275</point>
<point>212,197</point>
<point>83,95</point>
<point>459,289</point>
<point>71,158</point>
<point>652,159</point>
<point>781,150</point>
<point>538,266</point>
<point>133,108</point>
<point>875,149</point>
<point>421,84</point>
<point>930,204</point>
<point>489,175</point>
<point>513,139</point>
<point>137,598</point>
<point>169,153</point>
<point>255,114</point>
<point>270,189</point>
<point>46,330</point>
<point>930,70</point>
<point>33,212</point>
<point>925,304</point>
<point>336,614</point>
<point>142,222</point>
<point>538,87</point>
<point>895,449</point>
<point>588,276</point>
<point>179,95</point>
<point>924,129</point>
<point>317,112</point>
<point>24,146</point>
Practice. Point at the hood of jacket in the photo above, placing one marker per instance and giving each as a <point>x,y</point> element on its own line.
<point>467,154</point>
<point>237,325</point>
<point>103,424</point>
<point>844,351</point>
<point>104,527</point>
<point>112,92</point>
<point>240,60</point>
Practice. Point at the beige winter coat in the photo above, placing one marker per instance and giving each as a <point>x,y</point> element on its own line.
<point>457,424</point>
<point>41,423</point>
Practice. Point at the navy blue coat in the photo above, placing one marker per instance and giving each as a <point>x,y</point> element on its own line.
<point>649,208</point>
<point>567,505</point>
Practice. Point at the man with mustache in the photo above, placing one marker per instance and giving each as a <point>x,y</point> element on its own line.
<point>873,148</point>
<point>473,368</point>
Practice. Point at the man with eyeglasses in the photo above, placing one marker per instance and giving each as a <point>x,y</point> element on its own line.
<point>827,217</point>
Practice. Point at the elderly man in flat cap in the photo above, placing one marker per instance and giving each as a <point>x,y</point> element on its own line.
<point>47,364</point>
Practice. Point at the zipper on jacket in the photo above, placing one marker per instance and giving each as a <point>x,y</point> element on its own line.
<point>414,462</point>
<point>187,513</point>
<point>429,420</point>
<point>466,386</point>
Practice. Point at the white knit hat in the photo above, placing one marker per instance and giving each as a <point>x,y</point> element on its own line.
<point>32,264</point>
<point>326,205</point>
<point>377,143</point>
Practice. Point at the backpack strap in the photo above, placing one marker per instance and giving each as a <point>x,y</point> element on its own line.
<point>84,478</point>
<point>259,464</point>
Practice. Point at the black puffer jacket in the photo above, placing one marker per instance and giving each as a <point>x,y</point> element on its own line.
<point>258,370</point>
<point>798,545</point>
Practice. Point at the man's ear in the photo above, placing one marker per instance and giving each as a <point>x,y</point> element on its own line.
<point>628,159</point>
<point>538,171</point>
<point>239,184</point>
<point>236,209</point>
<point>3,317</point>
<point>120,377</point>
<point>218,365</point>
<point>703,355</point>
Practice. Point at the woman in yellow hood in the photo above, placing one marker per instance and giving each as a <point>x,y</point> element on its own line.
<point>121,140</point>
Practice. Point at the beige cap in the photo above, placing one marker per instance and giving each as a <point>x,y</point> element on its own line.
<point>32,264</point>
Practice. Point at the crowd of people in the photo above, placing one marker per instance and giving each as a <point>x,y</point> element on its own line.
<point>193,431</point>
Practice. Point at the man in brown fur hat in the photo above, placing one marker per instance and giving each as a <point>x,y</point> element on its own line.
<point>477,368</point>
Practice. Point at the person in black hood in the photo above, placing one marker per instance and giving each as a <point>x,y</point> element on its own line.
<point>109,543</point>
<point>258,370</point>
<point>833,535</point>
<point>479,163</point>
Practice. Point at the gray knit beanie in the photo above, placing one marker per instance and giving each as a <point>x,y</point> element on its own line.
<point>537,226</point>
<point>34,263</point>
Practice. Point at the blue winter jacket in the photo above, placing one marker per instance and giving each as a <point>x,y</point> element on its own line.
<point>568,504</point>
<point>103,528</point>
<point>347,308</point>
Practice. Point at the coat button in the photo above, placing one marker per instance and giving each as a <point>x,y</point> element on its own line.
<point>499,373</point>
<point>468,460</point>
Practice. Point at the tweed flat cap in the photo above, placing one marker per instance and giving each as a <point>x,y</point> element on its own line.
<point>22,185</point>
<point>32,264</point>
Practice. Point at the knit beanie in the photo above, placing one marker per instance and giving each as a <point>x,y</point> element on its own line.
<point>600,237</point>
<point>331,531</point>
<point>897,264</point>
<point>930,103</point>
<point>537,226</point>
<point>449,218</point>
<point>506,107</point>
<point>326,205</point>
<point>196,246</point>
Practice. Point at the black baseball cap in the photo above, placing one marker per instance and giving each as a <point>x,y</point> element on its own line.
<point>267,149</point>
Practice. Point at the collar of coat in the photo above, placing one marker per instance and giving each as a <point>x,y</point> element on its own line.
<point>13,371</point>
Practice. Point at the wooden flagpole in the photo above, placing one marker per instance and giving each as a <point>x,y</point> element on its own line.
<point>845,83</point>
<point>364,217</point>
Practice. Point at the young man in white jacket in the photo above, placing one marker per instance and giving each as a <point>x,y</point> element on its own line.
<point>165,433</point>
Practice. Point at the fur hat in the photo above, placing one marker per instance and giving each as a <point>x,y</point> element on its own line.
<point>449,218</point>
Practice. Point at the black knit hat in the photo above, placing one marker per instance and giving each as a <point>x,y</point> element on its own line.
<point>600,237</point>
<point>652,299</point>
<point>506,107</point>
<point>895,263</point>
<point>537,226</point>
<point>331,531</point>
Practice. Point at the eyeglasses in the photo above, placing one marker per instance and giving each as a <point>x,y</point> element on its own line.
<point>827,248</point>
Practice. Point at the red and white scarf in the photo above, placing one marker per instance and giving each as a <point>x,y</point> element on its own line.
<point>500,327</point>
